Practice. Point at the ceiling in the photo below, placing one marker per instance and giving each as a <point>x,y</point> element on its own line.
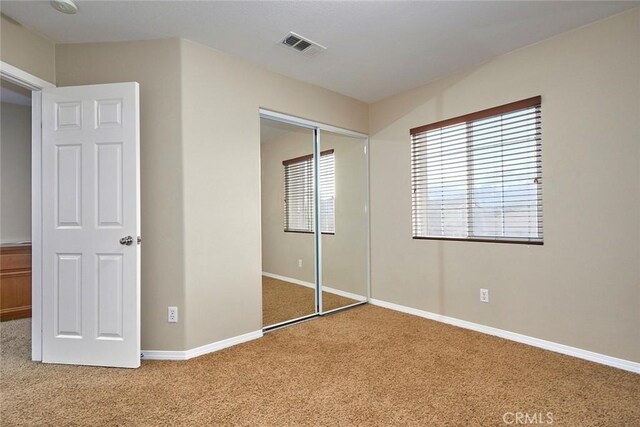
<point>374,49</point>
<point>271,130</point>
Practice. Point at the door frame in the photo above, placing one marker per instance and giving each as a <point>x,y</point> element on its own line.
<point>315,126</point>
<point>35,84</point>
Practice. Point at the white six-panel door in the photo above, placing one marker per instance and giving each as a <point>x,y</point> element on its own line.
<point>90,202</point>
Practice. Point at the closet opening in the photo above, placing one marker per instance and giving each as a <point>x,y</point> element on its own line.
<point>315,219</point>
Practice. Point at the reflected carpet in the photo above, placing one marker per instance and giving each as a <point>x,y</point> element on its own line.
<point>283,301</point>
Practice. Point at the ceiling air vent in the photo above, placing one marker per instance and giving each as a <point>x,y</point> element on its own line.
<point>302,45</point>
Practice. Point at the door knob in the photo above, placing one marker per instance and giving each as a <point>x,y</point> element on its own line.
<point>126,241</point>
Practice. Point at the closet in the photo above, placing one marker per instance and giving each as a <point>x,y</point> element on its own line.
<point>315,240</point>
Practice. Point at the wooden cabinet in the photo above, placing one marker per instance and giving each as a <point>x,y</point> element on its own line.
<point>15,282</point>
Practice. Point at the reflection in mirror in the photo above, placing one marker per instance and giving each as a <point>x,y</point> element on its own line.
<point>288,248</point>
<point>343,220</point>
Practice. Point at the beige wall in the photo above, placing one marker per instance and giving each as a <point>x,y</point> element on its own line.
<point>15,173</point>
<point>344,255</point>
<point>26,50</point>
<point>221,125</point>
<point>582,288</point>
<point>156,66</point>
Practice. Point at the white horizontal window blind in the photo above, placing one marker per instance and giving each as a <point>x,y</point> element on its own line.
<point>298,193</point>
<point>327,185</point>
<point>479,176</point>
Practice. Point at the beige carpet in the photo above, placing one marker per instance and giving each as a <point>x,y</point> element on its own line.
<point>283,301</point>
<point>362,367</point>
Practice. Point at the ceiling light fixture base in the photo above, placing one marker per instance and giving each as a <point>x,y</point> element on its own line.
<point>65,6</point>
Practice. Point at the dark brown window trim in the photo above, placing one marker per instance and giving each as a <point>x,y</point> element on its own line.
<point>305,158</point>
<point>308,232</point>
<point>473,239</point>
<point>513,106</point>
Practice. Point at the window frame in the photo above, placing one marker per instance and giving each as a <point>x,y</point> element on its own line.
<point>300,159</point>
<point>469,119</point>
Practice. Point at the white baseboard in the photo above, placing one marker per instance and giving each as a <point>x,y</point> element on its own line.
<point>199,351</point>
<point>344,293</point>
<point>615,362</point>
<point>313,286</point>
<point>290,280</point>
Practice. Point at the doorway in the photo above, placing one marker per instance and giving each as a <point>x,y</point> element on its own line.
<point>315,226</point>
<point>15,209</point>
<point>25,82</point>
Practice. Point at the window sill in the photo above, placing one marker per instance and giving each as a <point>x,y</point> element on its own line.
<point>473,239</point>
<point>308,232</point>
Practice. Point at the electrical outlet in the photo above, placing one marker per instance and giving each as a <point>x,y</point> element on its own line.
<point>484,295</point>
<point>300,263</point>
<point>172,315</point>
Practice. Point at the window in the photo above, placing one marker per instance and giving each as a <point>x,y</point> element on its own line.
<point>298,193</point>
<point>479,176</point>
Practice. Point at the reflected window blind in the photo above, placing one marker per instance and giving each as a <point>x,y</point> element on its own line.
<point>327,186</point>
<point>479,176</point>
<point>298,193</point>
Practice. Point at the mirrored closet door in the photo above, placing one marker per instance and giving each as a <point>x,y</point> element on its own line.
<point>315,247</point>
<point>342,186</point>
<point>288,243</point>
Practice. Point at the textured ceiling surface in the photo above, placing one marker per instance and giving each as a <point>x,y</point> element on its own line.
<point>374,49</point>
